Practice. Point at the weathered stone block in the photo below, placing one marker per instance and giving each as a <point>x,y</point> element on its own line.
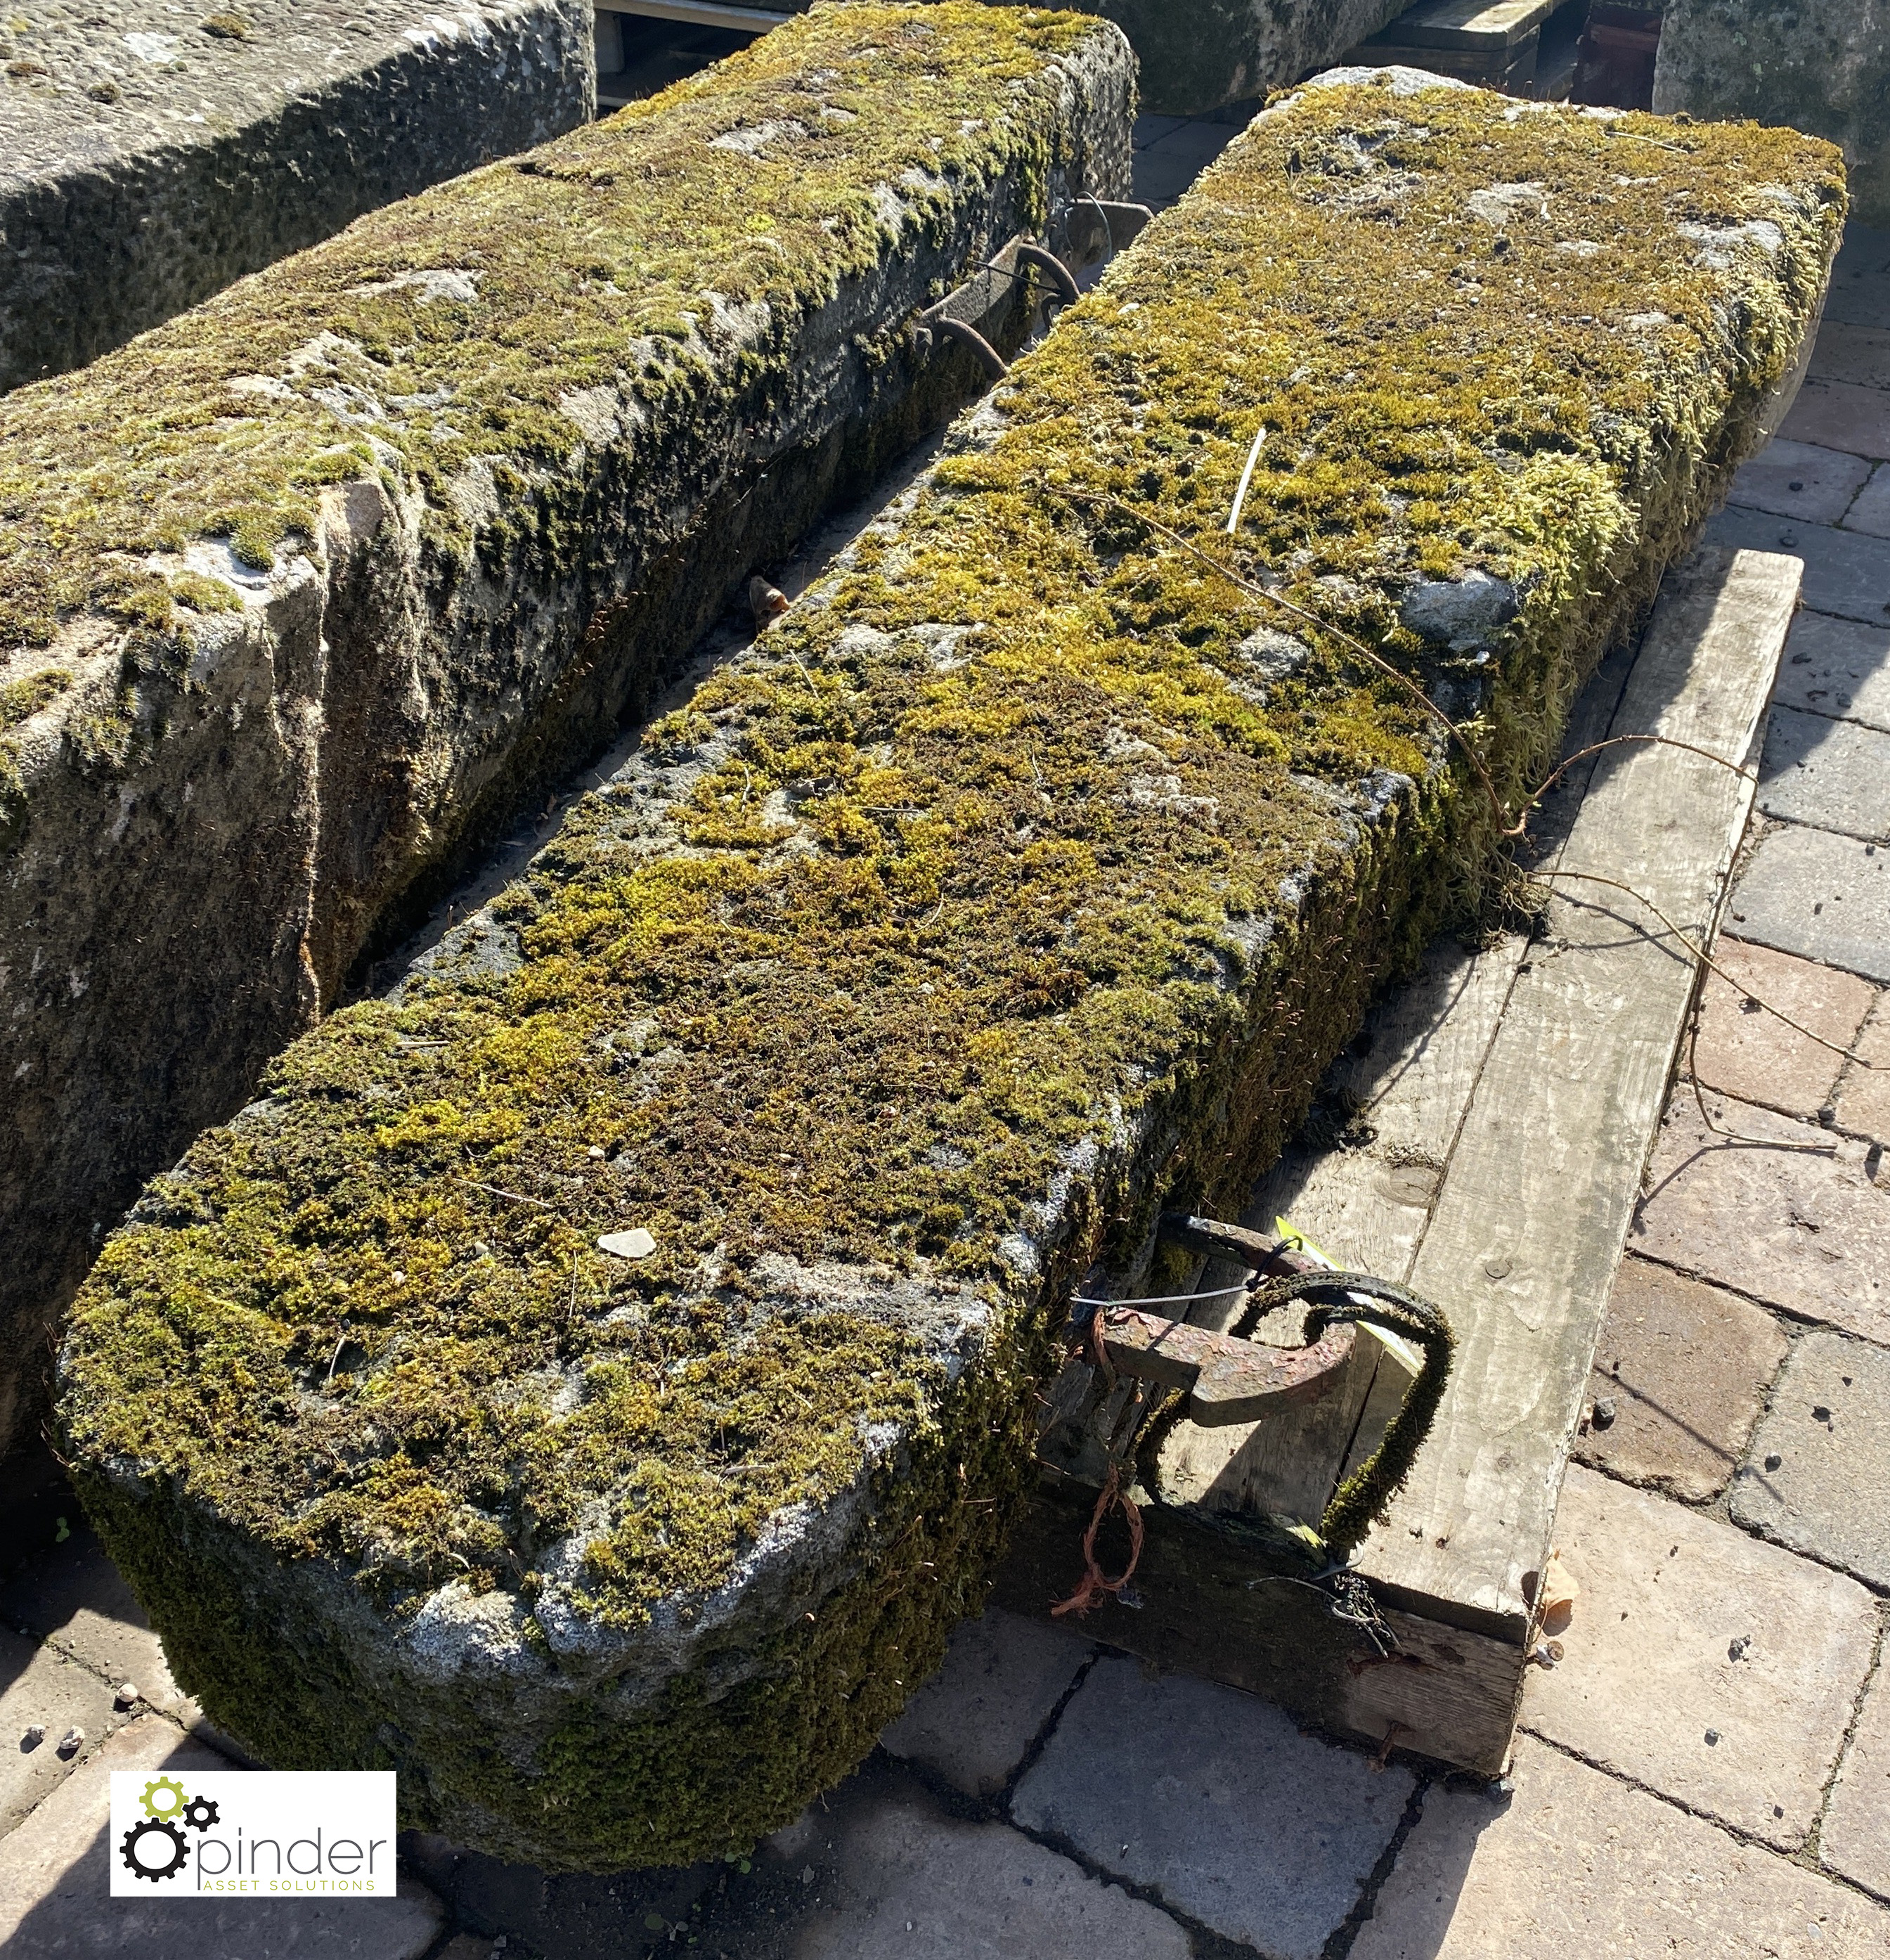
<point>1027,874</point>
<point>308,591</point>
<point>149,158</point>
<point>1822,66</point>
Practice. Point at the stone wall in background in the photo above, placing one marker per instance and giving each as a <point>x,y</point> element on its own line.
<point>1201,55</point>
<point>1820,65</point>
<point>150,154</point>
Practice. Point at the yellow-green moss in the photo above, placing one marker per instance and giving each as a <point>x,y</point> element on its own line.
<point>589,260</point>
<point>891,935</point>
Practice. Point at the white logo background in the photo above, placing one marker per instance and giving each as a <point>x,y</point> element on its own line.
<point>257,1834</point>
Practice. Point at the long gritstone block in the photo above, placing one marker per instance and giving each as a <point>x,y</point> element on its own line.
<point>148,159</point>
<point>306,593</point>
<point>594,1378</point>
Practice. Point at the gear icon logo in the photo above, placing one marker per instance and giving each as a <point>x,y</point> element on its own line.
<point>154,1847</point>
<point>163,1799</point>
<point>200,1813</point>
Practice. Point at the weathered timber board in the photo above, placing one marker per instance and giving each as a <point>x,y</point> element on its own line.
<point>1534,1072</point>
<point>1530,1223</point>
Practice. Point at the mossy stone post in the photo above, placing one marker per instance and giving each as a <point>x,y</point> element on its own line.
<point>307,593</point>
<point>595,1377</point>
<point>1820,66</point>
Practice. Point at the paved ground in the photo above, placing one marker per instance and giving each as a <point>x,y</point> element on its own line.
<point>1705,1773</point>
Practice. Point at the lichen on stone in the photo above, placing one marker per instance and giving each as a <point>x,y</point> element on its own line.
<point>1019,881</point>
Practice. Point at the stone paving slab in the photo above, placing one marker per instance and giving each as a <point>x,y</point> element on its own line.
<point>1579,1867</point>
<point>1856,354</point>
<point>42,1687</point>
<point>1715,1670</point>
<point>1684,1367</point>
<point>1860,294</point>
<point>1166,167</point>
<point>1820,895</point>
<point>55,1904</point>
<point>1800,479</point>
<point>1845,573</point>
<point>1863,1090</point>
<point>1817,1476</point>
<point>72,1596</point>
<point>1216,1801</point>
<point>1841,415</point>
<point>1745,1051</point>
<point>1003,1677</point>
<point>1871,512</point>
<point>891,1877</point>
<point>1838,667</point>
<point>1805,1230</point>
<point>567,1915</point>
<point>1856,1837</point>
<point>1835,775</point>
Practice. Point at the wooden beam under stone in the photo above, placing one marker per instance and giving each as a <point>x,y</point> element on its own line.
<point>1533,1210</point>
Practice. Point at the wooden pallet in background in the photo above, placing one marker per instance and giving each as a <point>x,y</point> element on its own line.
<point>1490,43</point>
<point>1504,1104</point>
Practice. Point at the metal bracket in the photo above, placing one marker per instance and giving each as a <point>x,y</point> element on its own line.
<point>1095,227</point>
<point>959,315</point>
<point>1227,1379</point>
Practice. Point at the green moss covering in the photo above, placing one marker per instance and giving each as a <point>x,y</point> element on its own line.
<point>581,260</point>
<point>995,897</point>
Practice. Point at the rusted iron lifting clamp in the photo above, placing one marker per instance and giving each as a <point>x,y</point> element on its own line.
<point>1226,1377</point>
<point>955,316</point>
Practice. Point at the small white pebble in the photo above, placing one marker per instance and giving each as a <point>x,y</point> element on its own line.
<point>71,1742</point>
<point>596,1150</point>
<point>634,1244</point>
<point>127,1693</point>
<point>35,1734</point>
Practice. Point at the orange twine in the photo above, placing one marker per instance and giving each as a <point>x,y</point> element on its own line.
<point>1096,1586</point>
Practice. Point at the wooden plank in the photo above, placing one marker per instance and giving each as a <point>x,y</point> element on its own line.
<point>1410,1075</point>
<point>1485,25</point>
<point>1534,1209</point>
<point>1556,1122</point>
<point>1203,1604</point>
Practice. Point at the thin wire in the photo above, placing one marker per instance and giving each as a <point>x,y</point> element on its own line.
<point>1161,1299</point>
<point>1707,960</point>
